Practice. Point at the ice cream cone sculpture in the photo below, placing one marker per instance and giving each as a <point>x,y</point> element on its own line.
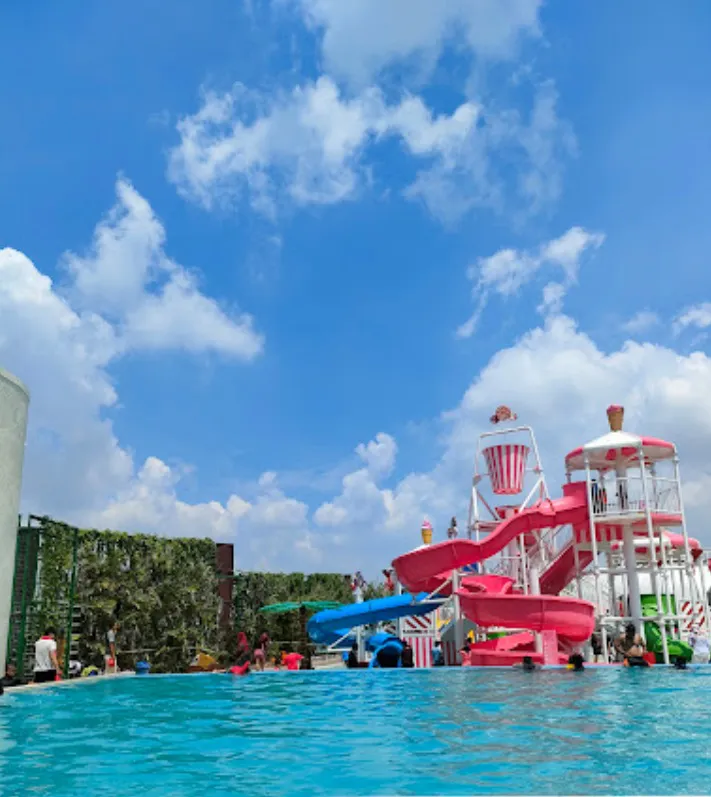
<point>615,417</point>
<point>426,532</point>
<point>503,413</point>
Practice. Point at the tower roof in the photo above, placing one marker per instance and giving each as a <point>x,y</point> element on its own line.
<point>605,451</point>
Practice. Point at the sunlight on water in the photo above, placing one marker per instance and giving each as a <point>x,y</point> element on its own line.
<point>398,732</point>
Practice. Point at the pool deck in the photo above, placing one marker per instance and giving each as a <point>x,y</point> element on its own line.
<point>67,682</point>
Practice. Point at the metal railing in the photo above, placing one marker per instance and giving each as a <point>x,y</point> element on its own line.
<point>625,496</point>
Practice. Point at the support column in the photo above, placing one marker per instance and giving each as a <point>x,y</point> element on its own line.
<point>633,595</point>
<point>458,618</point>
<point>653,570</point>
<point>694,596</point>
<point>14,402</point>
<point>398,622</point>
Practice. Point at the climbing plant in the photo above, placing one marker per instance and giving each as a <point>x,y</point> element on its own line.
<point>254,590</point>
<point>162,592</point>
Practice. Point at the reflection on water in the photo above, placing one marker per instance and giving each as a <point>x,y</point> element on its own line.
<point>363,732</point>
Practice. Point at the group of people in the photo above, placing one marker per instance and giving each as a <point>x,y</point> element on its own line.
<point>257,656</point>
<point>47,667</point>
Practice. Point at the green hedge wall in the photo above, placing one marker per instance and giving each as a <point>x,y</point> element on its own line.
<point>162,591</point>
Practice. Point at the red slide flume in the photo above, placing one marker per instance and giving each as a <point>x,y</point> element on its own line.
<point>569,617</point>
<point>490,603</point>
<point>416,569</point>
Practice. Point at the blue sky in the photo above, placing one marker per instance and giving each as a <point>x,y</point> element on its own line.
<point>324,188</point>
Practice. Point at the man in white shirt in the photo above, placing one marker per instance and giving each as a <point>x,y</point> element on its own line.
<point>46,665</point>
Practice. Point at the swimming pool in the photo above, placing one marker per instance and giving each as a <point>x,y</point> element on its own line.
<point>414,732</point>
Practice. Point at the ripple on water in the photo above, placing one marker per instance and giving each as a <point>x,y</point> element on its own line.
<point>425,732</point>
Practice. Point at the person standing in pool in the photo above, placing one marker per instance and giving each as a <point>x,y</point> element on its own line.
<point>242,644</point>
<point>46,664</point>
<point>111,660</point>
<point>596,644</point>
<point>260,651</point>
<point>407,657</point>
<point>700,646</point>
<point>632,648</point>
<point>293,661</point>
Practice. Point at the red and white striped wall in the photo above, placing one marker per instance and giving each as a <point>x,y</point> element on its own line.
<point>694,615</point>
<point>419,633</point>
<point>418,625</point>
<point>422,648</point>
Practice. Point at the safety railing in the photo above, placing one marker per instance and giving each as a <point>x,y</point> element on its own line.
<point>626,496</point>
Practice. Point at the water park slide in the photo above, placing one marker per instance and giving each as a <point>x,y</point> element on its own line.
<point>328,626</point>
<point>561,570</point>
<point>416,568</point>
<point>570,617</point>
<point>653,634</point>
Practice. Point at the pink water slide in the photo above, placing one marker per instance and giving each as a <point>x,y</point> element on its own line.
<point>571,618</point>
<point>488,603</point>
<point>417,568</point>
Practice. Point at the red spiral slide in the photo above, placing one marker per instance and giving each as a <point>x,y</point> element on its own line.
<point>570,619</point>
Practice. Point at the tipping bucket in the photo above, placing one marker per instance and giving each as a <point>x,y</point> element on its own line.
<point>506,464</point>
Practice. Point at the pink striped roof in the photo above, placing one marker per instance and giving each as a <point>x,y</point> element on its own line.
<point>603,457</point>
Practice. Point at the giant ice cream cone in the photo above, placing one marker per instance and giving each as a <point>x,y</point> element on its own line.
<point>615,417</point>
<point>426,532</point>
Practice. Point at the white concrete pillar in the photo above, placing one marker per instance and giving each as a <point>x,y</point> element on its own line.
<point>634,597</point>
<point>14,401</point>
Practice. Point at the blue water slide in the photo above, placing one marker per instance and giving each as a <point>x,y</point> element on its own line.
<point>328,626</point>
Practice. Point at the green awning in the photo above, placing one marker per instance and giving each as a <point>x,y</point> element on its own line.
<point>294,606</point>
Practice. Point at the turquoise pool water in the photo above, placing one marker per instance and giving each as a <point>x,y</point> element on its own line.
<point>392,732</point>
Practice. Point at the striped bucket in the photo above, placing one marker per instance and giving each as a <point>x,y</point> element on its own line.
<point>507,466</point>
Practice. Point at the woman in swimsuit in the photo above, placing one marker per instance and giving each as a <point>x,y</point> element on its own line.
<point>260,651</point>
<point>632,647</point>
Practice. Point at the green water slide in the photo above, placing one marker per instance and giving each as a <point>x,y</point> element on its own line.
<point>653,634</point>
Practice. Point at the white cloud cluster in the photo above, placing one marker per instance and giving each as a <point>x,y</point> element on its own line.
<point>555,377</point>
<point>153,302</point>
<point>361,39</point>
<point>124,294</point>
<point>508,270</point>
<point>558,381</point>
<point>309,147</point>
<point>271,531</point>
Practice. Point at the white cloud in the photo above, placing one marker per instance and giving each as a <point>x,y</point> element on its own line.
<point>269,532</point>
<point>123,295</point>
<point>554,377</point>
<point>560,382</point>
<point>696,317</point>
<point>310,146</point>
<point>508,270</point>
<point>641,322</point>
<point>379,454</point>
<point>361,39</point>
<point>153,302</point>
